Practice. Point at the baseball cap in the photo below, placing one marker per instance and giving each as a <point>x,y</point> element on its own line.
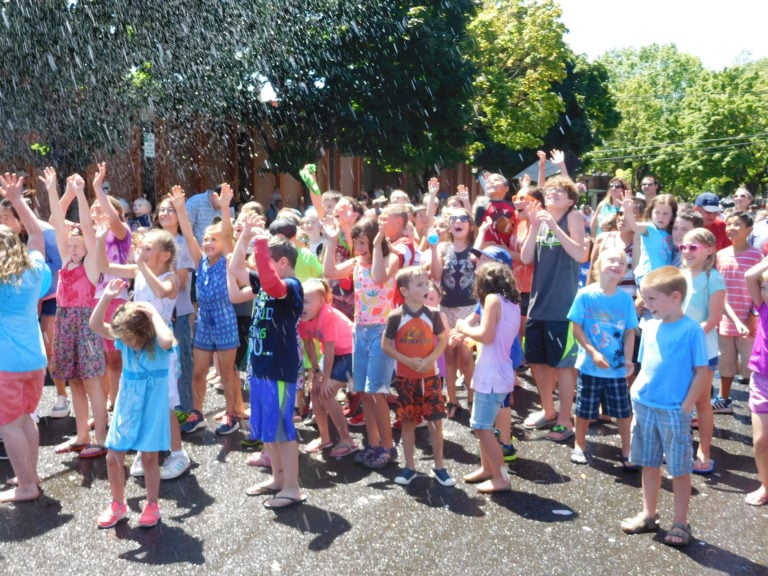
<point>496,253</point>
<point>708,201</point>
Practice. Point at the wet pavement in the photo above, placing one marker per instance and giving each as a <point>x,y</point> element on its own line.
<point>560,518</point>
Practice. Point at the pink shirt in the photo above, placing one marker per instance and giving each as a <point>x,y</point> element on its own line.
<point>733,268</point>
<point>330,325</point>
<point>74,289</point>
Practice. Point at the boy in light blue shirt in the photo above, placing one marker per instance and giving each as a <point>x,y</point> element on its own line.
<point>604,320</point>
<point>673,374</point>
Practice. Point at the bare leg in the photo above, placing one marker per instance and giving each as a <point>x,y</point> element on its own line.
<point>175,433</point>
<point>288,457</point>
<point>436,436</point>
<point>320,406</point>
<point>681,487</point>
<point>467,367</point>
<point>651,488</point>
<point>451,366</point>
<point>201,360</point>
<point>116,475</point>
<point>383,420</point>
<point>492,463</point>
<point>112,375</point>
<point>625,433</point>
<point>504,425</point>
<point>566,381</point>
<point>581,435</point>
<point>706,422</point>
<point>336,413</point>
<point>408,438</point>
<point>21,443</point>
<point>151,475</point>
<point>98,401</point>
<point>760,443</point>
<point>371,423</point>
<point>233,396</point>
<point>545,378</point>
<point>80,407</point>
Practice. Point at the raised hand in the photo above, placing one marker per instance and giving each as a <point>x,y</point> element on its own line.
<point>11,186</point>
<point>49,179</point>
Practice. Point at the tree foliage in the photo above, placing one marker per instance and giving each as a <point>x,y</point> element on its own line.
<point>380,79</point>
<point>518,48</point>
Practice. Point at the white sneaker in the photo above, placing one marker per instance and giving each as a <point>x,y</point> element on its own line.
<point>60,407</point>
<point>174,466</point>
<point>137,468</point>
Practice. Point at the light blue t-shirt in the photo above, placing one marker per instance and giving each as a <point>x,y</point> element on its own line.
<point>20,338</point>
<point>604,319</point>
<point>696,303</point>
<point>669,352</point>
<point>657,251</point>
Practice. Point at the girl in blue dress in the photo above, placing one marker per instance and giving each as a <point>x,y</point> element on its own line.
<point>140,420</point>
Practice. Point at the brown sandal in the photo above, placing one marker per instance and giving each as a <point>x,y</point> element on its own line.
<point>681,532</point>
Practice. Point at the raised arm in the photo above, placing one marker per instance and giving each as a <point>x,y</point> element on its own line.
<point>542,177</point>
<point>227,236</point>
<point>96,321</point>
<point>57,219</point>
<point>178,199</point>
<point>558,157</point>
<point>382,267</point>
<point>332,270</point>
<point>12,187</point>
<point>114,221</point>
<point>238,282</point>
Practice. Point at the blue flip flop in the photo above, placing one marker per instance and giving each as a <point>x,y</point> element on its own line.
<point>704,471</point>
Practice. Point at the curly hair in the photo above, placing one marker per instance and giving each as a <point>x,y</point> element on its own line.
<point>495,278</point>
<point>14,257</point>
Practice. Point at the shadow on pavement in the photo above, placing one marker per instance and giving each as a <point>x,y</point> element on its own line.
<point>23,520</point>
<point>326,525</point>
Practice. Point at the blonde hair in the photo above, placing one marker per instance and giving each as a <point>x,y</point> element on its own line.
<point>666,280</point>
<point>318,285</point>
<point>14,257</point>
<point>165,241</point>
<point>704,236</point>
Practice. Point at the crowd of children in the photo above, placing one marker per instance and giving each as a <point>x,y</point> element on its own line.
<point>389,307</point>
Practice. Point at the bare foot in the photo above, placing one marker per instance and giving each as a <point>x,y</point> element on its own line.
<point>15,481</point>
<point>494,485</point>
<point>477,476</point>
<point>19,494</point>
<point>265,487</point>
<point>757,498</point>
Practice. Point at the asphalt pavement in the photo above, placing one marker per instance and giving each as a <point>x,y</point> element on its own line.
<point>559,518</point>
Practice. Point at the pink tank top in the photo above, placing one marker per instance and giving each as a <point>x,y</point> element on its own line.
<point>75,289</point>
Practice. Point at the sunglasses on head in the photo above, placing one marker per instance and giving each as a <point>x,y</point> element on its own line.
<point>692,248</point>
<point>460,218</point>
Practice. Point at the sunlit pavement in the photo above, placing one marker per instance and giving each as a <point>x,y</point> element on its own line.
<point>559,518</point>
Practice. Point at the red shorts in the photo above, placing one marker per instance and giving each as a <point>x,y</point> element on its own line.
<point>419,398</point>
<point>20,393</point>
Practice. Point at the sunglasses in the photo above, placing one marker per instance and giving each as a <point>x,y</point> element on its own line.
<point>692,248</point>
<point>462,218</point>
<point>616,186</point>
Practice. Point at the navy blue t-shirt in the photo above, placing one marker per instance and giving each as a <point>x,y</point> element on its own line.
<point>274,338</point>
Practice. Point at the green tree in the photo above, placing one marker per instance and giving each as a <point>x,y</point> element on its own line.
<point>648,84</point>
<point>519,52</point>
<point>724,123</point>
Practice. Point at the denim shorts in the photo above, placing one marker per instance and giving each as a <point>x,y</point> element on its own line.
<point>659,433</point>
<point>485,409</point>
<point>342,368</point>
<point>372,369</point>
